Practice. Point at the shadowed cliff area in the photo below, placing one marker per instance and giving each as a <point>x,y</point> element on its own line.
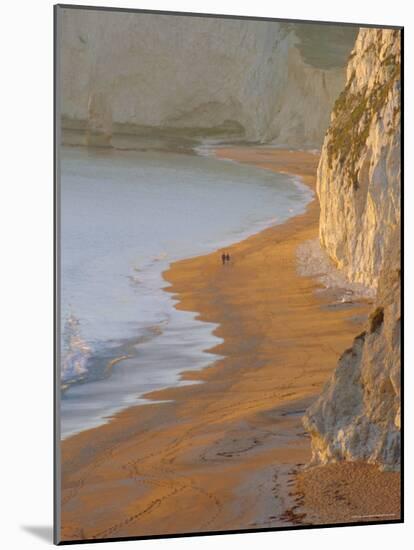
<point>325,46</point>
<point>195,78</point>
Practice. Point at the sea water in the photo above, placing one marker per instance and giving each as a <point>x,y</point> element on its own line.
<point>125,216</point>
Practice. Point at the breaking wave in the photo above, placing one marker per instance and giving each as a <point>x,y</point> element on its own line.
<point>76,352</point>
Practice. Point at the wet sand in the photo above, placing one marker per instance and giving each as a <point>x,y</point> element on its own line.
<point>223,454</point>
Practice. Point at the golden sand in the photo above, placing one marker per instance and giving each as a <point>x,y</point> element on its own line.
<point>220,455</point>
<point>347,493</point>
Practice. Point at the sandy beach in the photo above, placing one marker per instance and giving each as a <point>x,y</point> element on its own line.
<point>225,454</point>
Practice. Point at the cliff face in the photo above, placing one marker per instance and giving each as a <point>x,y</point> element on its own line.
<point>359,172</point>
<point>256,80</point>
<point>357,416</point>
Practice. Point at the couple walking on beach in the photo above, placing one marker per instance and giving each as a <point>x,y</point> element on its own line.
<point>225,258</point>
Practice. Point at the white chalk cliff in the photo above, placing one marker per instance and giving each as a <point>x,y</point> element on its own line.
<point>357,416</point>
<point>255,80</point>
<point>358,180</point>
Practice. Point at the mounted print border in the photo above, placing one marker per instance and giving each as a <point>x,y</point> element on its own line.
<point>228,274</point>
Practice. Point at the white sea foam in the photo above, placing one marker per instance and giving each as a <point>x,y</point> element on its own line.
<point>76,350</point>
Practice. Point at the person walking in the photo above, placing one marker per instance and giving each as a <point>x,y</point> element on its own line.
<point>228,257</point>
<point>223,258</point>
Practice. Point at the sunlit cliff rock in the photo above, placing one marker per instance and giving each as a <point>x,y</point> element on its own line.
<point>358,180</point>
<point>357,416</point>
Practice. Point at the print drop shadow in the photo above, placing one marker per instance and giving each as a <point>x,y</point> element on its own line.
<point>43,532</point>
